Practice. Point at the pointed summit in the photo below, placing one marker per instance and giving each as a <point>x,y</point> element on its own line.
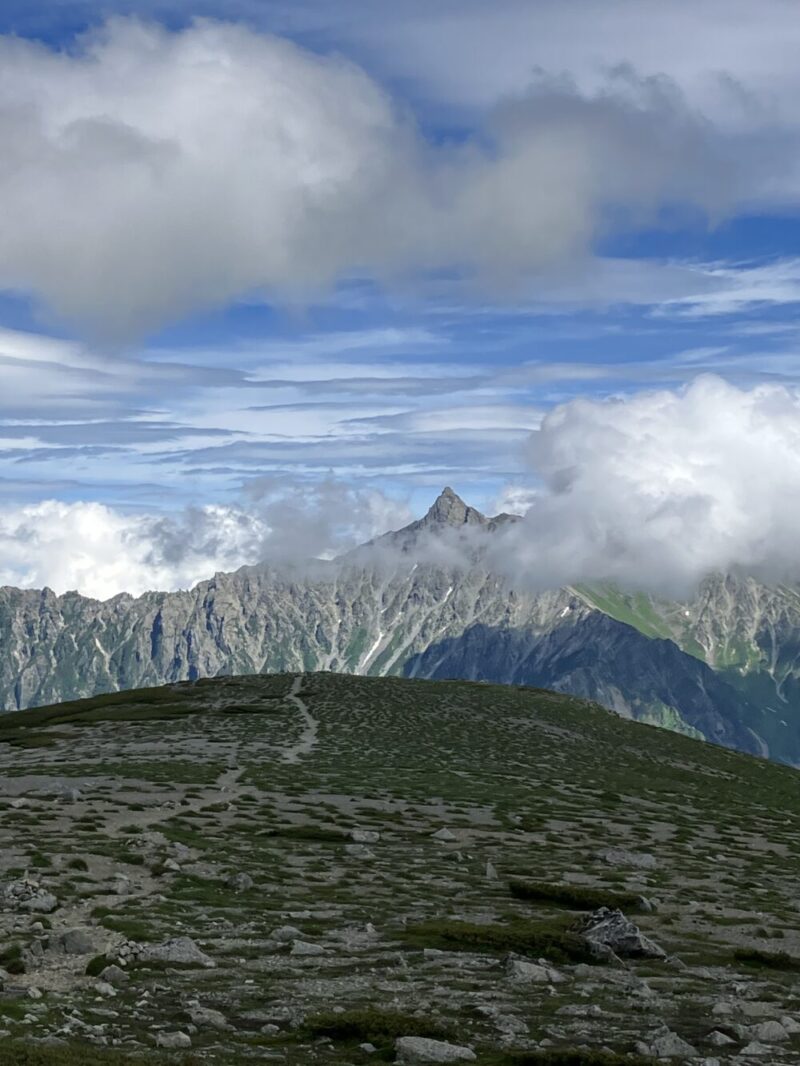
<point>447,512</point>
<point>449,509</point>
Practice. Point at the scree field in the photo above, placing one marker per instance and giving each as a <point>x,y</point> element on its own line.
<point>314,868</point>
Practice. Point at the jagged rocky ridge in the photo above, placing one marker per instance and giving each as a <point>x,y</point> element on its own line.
<point>724,667</point>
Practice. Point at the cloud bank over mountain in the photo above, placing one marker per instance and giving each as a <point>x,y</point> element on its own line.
<point>101,551</point>
<point>653,491</point>
<point>149,174</point>
<point>659,489</point>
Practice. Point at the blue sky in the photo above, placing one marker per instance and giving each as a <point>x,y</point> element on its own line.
<point>417,230</point>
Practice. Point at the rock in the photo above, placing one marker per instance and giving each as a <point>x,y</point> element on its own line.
<point>755,1050</point>
<point>68,793</point>
<point>770,1032</point>
<point>303,947</point>
<point>581,1010</point>
<point>129,951</point>
<point>608,931</point>
<point>491,872</point>
<point>206,1018</point>
<point>359,851</point>
<point>104,988</point>
<point>149,841</point>
<point>368,1049</point>
<point>722,1009</point>
<point>791,1026</point>
<point>446,835</point>
<point>639,860</point>
<point>35,993</point>
<point>364,836</point>
<point>240,882</point>
<point>285,933</point>
<point>668,1045</point>
<point>171,865</point>
<point>539,973</point>
<point>115,976</point>
<point>26,895</point>
<point>718,1039</point>
<point>173,1040</point>
<point>413,1049</point>
<point>73,942</point>
<point>180,950</point>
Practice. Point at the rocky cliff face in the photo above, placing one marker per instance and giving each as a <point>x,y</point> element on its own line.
<point>388,613</point>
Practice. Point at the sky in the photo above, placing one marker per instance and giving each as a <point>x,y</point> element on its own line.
<point>273,274</point>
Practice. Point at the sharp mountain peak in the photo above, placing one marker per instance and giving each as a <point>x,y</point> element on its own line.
<point>449,509</point>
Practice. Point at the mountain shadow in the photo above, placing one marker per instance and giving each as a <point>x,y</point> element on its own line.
<point>598,658</point>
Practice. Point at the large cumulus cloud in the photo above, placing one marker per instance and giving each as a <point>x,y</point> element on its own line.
<point>101,550</point>
<point>659,489</point>
<point>148,174</point>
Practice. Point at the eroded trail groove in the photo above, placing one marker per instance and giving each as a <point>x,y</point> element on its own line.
<point>308,738</point>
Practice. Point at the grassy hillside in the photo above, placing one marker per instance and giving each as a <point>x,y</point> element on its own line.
<point>225,811</point>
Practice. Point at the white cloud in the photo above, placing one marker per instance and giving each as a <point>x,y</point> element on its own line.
<point>734,59</point>
<point>738,288</point>
<point>148,174</point>
<point>101,551</point>
<point>661,488</point>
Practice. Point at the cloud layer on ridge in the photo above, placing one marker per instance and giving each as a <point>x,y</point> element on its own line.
<point>661,488</point>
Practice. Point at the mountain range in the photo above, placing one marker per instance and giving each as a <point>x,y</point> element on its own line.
<point>423,602</point>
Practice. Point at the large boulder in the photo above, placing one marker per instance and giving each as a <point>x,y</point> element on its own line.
<point>608,932</point>
<point>668,1045</point>
<point>27,895</point>
<point>180,951</point>
<point>73,942</point>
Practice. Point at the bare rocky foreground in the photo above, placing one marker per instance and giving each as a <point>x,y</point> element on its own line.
<point>327,869</point>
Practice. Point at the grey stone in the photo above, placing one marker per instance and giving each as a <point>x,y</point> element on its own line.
<point>639,860</point>
<point>69,793</point>
<point>285,933</point>
<point>303,947</point>
<point>770,1032</point>
<point>173,1040</point>
<point>27,895</point>
<point>115,976</point>
<point>180,950</point>
<point>359,851</point>
<point>607,931</point>
<point>74,942</point>
<point>364,836</point>
<point>668,1045</point>
<point>240,882</point>
<point>718,1039</point>
<point>206,1018</point>
<point>535,973</point>
<point>755,1050</point>
<point>419,1049</point>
